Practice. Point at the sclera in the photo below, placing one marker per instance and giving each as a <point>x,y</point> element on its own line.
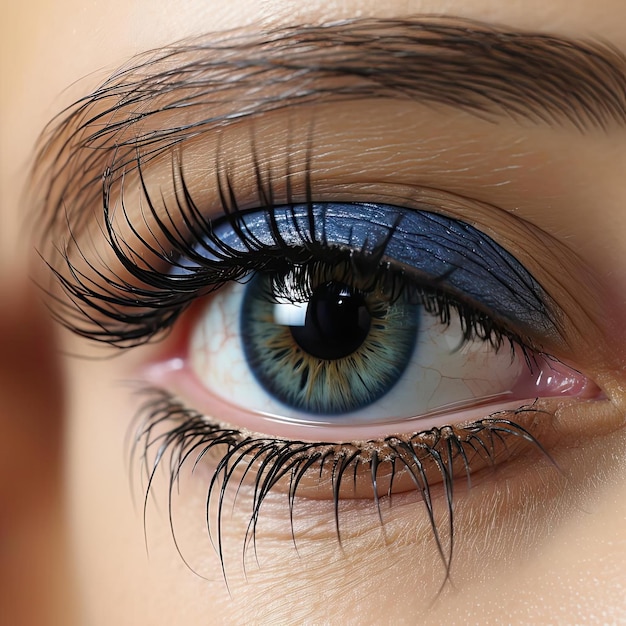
<point>214,378</point>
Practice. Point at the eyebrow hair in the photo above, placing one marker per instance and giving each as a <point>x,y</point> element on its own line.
<point>166,96</point>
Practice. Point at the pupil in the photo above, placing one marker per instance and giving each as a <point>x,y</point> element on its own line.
<point>337,322</point>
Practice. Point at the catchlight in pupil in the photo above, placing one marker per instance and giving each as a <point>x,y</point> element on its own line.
<point>337,322</point>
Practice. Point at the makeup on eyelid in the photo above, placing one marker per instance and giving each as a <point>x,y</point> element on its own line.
<point>440,248</point>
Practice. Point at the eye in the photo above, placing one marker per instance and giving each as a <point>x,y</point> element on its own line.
<point>343,356</point>
<point>474,313</point>
<point>363,327</point>
<point>460,321</point>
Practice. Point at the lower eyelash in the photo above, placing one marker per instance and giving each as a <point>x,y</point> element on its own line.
<point>447,452</point>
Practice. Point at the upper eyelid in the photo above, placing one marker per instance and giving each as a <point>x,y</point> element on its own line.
<point>467,261</point>
<point>128,289</point>
<point>72,192</point>
<point>151,225</point>
<point>425,59</point>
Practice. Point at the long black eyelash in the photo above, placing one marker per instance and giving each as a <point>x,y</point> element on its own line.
<point>173,435</point>
<point>128,306</point>
<point>131,305</point>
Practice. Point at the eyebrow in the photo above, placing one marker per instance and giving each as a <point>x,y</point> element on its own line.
<point>166,96</point>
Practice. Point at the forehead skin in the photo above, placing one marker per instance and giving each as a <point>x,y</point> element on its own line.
<point>48,46</point>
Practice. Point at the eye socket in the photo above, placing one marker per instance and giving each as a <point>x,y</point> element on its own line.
<point>364,342</point>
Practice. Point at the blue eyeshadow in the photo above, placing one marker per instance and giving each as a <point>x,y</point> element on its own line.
<point>440,250</point>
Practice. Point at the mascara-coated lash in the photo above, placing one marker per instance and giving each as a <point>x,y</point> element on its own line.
<point>155,278</point>
<point>237,458</point>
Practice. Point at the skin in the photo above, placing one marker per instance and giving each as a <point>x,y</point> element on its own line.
<point>538,546</point>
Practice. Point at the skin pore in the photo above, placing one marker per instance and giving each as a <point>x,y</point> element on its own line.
<point>533,544</point>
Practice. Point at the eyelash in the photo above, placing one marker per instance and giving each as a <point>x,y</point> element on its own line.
<point>135,308</point>
<point>132,308</point>
<point>447,449</point>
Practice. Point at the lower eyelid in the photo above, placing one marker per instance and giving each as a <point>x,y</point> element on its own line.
<point>242,493</point>
<point>236,457</point>
<point>171,435</point>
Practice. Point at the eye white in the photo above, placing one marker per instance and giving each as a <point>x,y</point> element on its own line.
<point>444,373</point>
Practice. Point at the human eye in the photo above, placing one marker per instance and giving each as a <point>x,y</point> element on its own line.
<point>364,320</point>
<point>320,327</point>
<point>435,372</point>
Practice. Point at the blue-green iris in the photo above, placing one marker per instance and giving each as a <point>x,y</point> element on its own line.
<point>348,350</point>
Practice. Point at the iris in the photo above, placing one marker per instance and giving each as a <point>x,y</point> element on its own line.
<point>335,349</point>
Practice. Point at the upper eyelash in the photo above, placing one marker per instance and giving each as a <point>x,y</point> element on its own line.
<point>125,311</point>
<point>193,437</point>
<point>131,305</point>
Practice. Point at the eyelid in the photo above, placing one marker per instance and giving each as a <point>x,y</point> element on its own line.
<point>132,213</point>
<point>436,249</point>
<point>143,254</point>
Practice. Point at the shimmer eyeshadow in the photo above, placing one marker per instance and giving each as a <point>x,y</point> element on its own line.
<point>439,250</point>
